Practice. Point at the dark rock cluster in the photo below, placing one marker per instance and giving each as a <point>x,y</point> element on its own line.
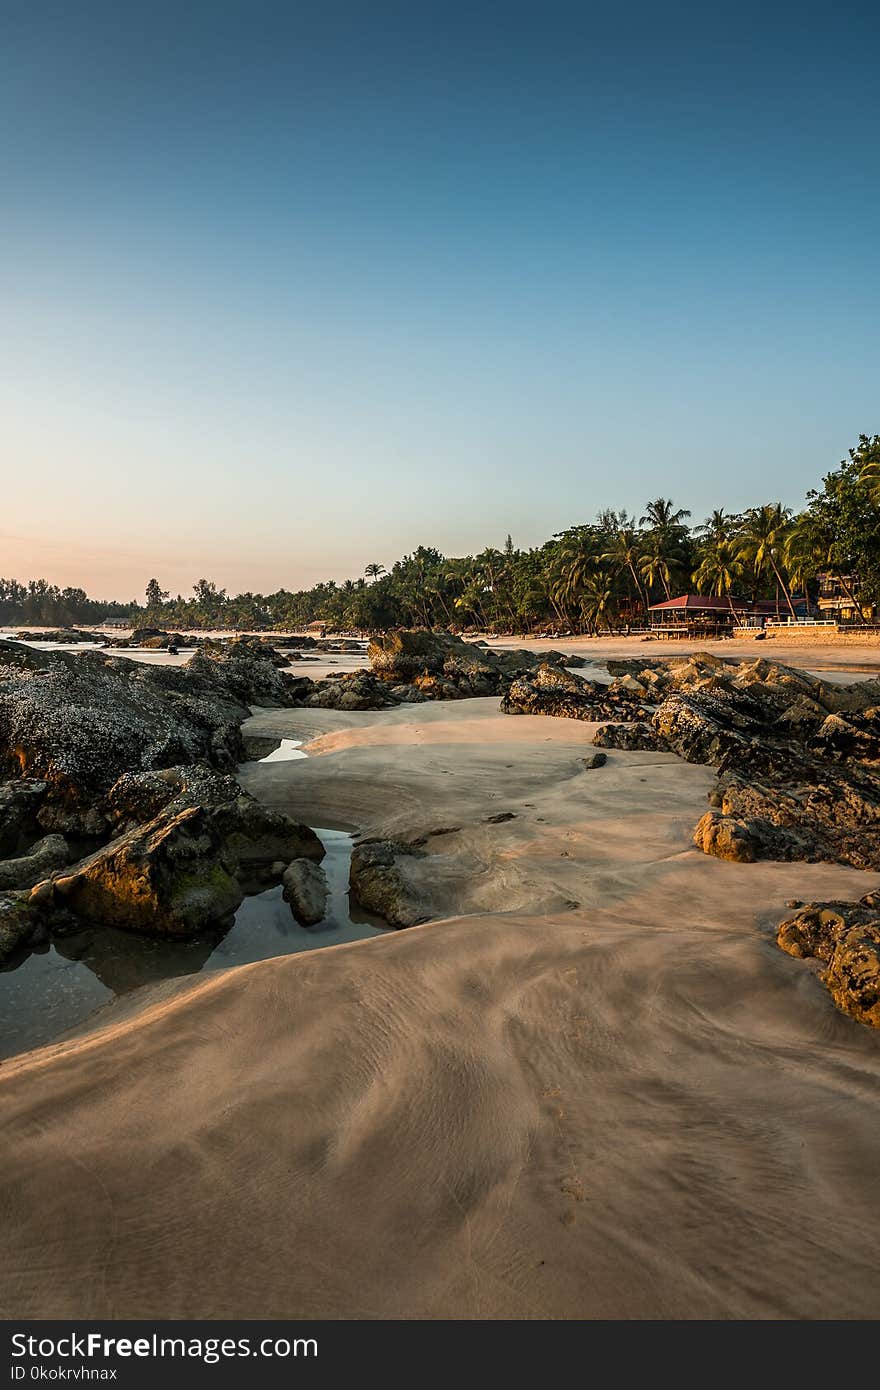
<point>417,664</point>
<point>554,691</point>
<point>120,807</point>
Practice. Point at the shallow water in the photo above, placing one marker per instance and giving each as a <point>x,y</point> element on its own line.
<point>287,749</point>
<point>60,985</point>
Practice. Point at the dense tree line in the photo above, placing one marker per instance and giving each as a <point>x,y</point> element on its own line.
<point>589,578</point>
<point>41,604</point>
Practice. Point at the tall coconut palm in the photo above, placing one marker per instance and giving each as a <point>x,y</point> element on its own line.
<point>625,555</point>
<point>373,570</point>
<point>578,559</point>
<point>719,570</point>
<point>664,543</point>
<point>658,564</point>
<point>662,515</point>
<point>762,539</point>
<point>717,527</point>
<point>597,599</point>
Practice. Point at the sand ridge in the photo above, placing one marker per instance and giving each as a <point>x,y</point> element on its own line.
<point>633,1107</point>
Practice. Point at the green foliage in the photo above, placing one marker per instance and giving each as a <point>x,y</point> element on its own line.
<point>588,578</point>
<point>40,604</point>
<point>845,516</point>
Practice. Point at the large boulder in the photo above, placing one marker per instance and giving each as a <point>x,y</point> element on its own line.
<point>190,842</point>
<point>400,656</point>
<point>306,890</point>
<point>845,938</point>
<point>171,877</point>
<point>248,669</point>
<point>378,882</point>
<point>725,837</point>
<point>254,837</point>
<point>78,720</point>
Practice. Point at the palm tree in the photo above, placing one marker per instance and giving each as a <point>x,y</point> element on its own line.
<point>577,562</point>
<point>811,548</point>
<point>662,558</point>
<point>719,570</point>
<point>625,555</point>
<point>658,563</point>
<point>867,457</point>
<point>372,570</point>
<point>660,515</point>
<point>597,599</point>
<point>717,527</point>
<point>763,537</point>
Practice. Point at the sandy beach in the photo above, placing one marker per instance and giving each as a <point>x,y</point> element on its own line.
<point>591,1087</point>
<point>376,378</point>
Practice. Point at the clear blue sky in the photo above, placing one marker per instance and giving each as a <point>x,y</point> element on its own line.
<point>291,287</point>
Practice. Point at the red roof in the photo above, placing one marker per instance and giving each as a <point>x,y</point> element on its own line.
<point>697,603</point>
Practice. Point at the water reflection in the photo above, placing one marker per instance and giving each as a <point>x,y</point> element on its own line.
<point>61,984</point>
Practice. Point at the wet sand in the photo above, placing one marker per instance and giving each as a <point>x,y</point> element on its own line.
<point>592,1088</point>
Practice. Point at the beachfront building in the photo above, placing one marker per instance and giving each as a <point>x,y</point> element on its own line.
<point>838,598</point>
<point>697,615</point>
<point>701,615</point>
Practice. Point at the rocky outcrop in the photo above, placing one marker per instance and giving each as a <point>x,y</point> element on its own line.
<point>137,760</point>
<point>378,882</point>
<point>410,666</point>
<point>306,890</point>
<point>441,666</point>
<point>52,852</point>
<point>726,838</point>
<point>703,726</point>
<point>70,636</point>
<point>77,721</point>
<point>246,669</point>
<point>171,877</point>
<point>798,759</point>
<point>552,691</point>
<point>356,690</point>
<point>631,738</point>
<point>188,844</point>
<point>845,938</point>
